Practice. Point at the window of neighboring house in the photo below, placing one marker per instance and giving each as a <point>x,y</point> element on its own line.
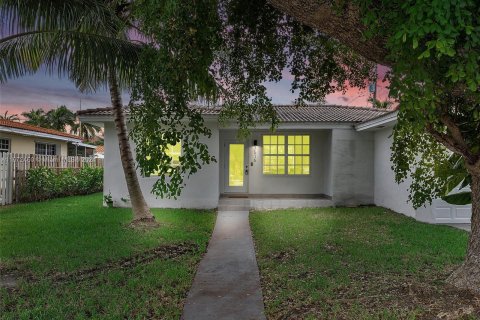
<point>286,154</point>
<point>48,149</point>
<point>4,145</point>
<point>174,152</point>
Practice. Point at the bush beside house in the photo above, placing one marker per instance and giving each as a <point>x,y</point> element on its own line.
<point>48,183</point>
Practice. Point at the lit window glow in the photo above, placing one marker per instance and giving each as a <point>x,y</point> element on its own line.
<point>174,152</point>
<point>286,154</point>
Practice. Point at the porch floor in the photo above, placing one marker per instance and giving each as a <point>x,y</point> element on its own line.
<point>272,201</point>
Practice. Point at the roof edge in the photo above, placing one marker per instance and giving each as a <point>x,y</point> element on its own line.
<point>32,133</point>
<point>381,120</point>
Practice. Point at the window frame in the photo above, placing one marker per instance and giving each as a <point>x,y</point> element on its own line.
<point>9,141</point>
<point>46,148</point>
<point>299,154</point>
<point>286,154</point>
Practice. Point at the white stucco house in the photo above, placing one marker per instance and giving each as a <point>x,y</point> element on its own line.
<point>318,156</point>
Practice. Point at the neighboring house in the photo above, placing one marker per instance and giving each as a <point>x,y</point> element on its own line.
<point>17,137</point>
<point>99,152</point>
<point>318,156</point>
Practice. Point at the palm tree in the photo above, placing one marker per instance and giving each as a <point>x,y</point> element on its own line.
<point>380,104</point>
<point>85,130</point>
<point>11,117</point>
<point>36,117</point>
<point>87,40</point>
<point>60,117</point>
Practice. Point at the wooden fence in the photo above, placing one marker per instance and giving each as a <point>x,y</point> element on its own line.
<point>14,165</point>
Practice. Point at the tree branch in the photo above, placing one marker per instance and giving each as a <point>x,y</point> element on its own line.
<point>346,27</point>
<point>455,132</point>
<point>451,144</point>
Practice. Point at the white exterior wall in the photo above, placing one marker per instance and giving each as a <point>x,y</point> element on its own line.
<point>388,193</point>
<point>394,196</point>
<point>201,190</point>
<point>317,182</point>
<point>352,167</point>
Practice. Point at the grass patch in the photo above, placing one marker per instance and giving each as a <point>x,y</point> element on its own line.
<point>75,259</point>
<point>358,263</point>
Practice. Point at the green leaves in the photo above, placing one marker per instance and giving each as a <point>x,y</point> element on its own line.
<point>212,51</point>
<point>59,118</point>
<point>455,175</point>
<point>46,183</point>
<point>461,198</point>
<point>79,38</point>
<point>435,76</point>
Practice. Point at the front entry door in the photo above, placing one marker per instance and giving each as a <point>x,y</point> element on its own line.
<point>236,168</point>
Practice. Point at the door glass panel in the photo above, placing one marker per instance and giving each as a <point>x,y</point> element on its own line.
<point>235,165</point>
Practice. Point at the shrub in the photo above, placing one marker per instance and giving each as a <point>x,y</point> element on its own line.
<point>46,183</point>
<point>40,184</point>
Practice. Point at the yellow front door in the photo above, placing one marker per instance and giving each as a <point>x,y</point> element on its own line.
<point>236,168</point>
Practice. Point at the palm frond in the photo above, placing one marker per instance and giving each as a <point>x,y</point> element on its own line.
<point>85,130</point>
<point>27,15</point>
<point>83,57</point>
<point>11,117</point>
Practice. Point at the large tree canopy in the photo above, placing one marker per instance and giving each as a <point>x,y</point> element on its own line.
<point>226,50</point>
<point>223,52</point>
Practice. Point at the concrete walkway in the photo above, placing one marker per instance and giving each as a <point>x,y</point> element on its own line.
<point>227,283</point>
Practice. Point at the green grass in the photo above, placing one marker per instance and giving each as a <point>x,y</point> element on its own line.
<point>356,263</point>
<point>40,241</point>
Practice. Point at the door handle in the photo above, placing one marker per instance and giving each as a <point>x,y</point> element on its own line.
<point>246,170</point>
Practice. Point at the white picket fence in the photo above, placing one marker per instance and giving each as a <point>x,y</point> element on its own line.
<point>11,164</point>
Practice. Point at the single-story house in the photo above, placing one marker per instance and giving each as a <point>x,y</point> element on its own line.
<point>318,156</point>
<point>17,137</point>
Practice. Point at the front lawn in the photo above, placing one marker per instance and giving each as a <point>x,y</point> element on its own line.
<point>75,259</point>
<point>358,263</point>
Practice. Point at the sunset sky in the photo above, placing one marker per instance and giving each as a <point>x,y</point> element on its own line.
<point>45,91</point>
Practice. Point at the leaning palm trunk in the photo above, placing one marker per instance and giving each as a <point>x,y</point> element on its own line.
<point>141,211</point>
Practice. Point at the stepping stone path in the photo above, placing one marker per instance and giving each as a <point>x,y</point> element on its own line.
<point>227,283</point>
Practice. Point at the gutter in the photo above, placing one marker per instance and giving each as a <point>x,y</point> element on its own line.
<point>86,145</point>
<point>379,122</point>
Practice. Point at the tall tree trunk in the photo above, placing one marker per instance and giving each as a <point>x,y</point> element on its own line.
<point>141,211</point>
<point>467,276</point>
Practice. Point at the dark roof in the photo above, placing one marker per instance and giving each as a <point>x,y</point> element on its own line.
<point>327,113</point>
<point>290,113</point>
<point>29,127</point>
